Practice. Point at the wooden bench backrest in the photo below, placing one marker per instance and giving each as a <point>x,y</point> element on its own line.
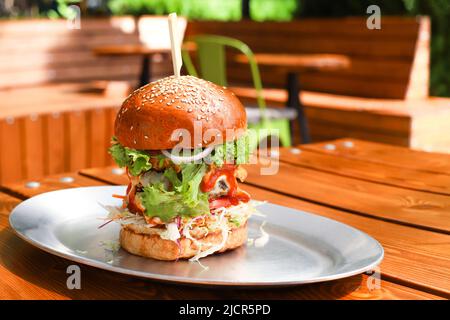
<point>35,52</point>
<point>389,63</point>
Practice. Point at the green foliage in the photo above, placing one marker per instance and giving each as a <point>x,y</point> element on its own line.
<point>285,10</point>
<point>229,10</point>
<point>438,10</point>
<point>279,10</point>
<point>63,10</point>
<point>140,7</point>
<point>273,10</point>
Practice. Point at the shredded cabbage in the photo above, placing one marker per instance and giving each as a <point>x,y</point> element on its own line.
<point>213,248</point>
<point>263,239</point>
<point>171,233</point>
<point>110,245</point>
<point>123,216</point>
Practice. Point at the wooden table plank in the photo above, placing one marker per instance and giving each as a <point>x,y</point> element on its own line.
<point>369,171</point>
<point>419,209</point>
<point>49,183</point>
<point>21,268</point>
<point>409,252</point>
<point>385,154</point>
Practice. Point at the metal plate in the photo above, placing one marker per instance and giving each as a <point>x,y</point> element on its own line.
<point>302,247</point>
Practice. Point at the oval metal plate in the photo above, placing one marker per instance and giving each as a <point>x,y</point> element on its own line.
<point>302,247</point>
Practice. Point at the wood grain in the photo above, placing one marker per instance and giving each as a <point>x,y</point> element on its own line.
<point>21,268</point>
<point>419,124</point>
<point>76,123</point>
<point>10,135</point>
<point>54,143</point>
<point>409,252</point>
<point>387,155</point>
<point>69,129</point>
<point>33,145</point>
<point>366,170</point>
<point>41,52</point>
<point>409,207</point>
<point>298,62</point>
<point>128,49</point>
<point>62,54</point>
<point>48,183</point>
<point>406,52</point>
<point>97,138</point>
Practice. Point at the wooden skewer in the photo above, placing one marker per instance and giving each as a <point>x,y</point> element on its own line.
<point>175,44</point>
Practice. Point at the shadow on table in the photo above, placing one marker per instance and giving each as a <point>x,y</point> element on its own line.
<point>46,271</point>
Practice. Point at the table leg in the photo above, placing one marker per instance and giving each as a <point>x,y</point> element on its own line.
<point>293,88</point>
<point>145,71</point>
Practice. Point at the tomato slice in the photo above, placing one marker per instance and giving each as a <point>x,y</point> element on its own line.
<point>227,201</point>
<point>222,202</point>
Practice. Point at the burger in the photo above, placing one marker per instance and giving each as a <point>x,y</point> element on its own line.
<point>182,142</point>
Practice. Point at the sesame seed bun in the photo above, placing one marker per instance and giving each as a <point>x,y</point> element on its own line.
<point>150,115</point>
<point>152,246</point>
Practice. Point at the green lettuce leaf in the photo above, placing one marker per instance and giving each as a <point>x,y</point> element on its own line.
<point>167,205</point>
<point>192,175</point>
<point>183,197</point>
<point>172,176</point>
<point>237,151</point>
<point>137,161</point>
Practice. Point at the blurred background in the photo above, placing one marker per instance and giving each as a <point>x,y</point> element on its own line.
<point>313,70</point>
<point>258,10</point>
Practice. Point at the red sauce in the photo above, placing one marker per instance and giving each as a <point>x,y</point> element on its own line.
<point>227,201</point>
<point>131,198</point>
<point>210,179</point>
<point>234,195</point>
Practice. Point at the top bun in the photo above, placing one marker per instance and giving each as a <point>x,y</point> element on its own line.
<point>150,115</point>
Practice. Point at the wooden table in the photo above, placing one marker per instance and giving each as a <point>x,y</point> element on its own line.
<point>292,65</point>
<point>399,196</point>
<point>134,50</point>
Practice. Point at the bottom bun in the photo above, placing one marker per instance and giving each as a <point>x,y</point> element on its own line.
<point>152,246</point>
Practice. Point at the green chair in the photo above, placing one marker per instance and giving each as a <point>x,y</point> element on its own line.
<point>212,63</point>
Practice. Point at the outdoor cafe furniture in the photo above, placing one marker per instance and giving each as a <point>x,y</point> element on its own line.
<point>142,50</point>
<point>399,196</point>
<point>292,65</point>
<point>382,96</point>
<point>210,52</point>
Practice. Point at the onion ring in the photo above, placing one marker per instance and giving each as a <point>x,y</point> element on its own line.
<point>181,159</point>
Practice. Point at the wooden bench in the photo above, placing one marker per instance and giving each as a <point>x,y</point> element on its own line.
<point>54,113</point>
<point>382,96</point>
